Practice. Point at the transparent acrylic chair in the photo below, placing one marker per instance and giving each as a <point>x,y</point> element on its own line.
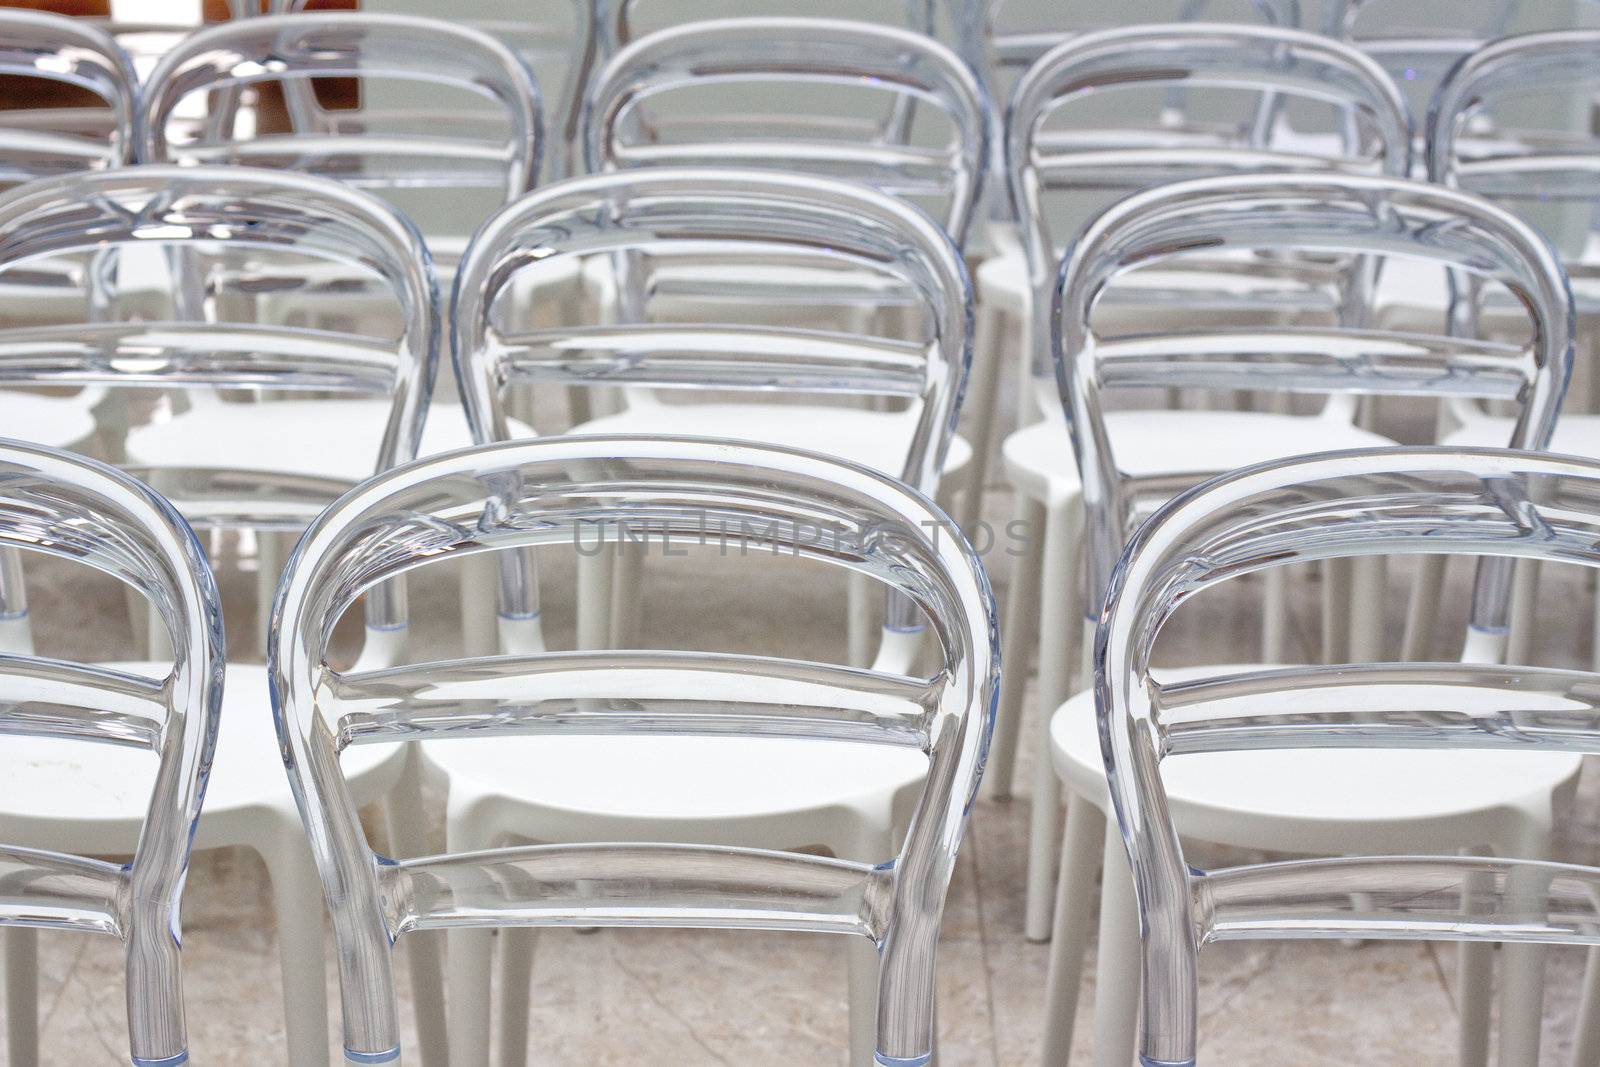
<point>1513,122</point>
<point>800,378</point>
<point>1061,177</point>
<point>1408,803</point>
<point>209,224</point>
<point>43,58</point>
<point>522,495</point>
<point>1481,502</point>
<point>1111,112</point>
<point>562,50</point>
<point>702,218</point>
<point>164,719</point>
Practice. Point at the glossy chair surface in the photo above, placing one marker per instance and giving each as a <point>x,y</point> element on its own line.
<point>43,56</point>
<point>731,220</point>
<point>875,104</point>
<point>523,495</point>
<point>443,106</point>
<point>80,511</point>
<point>1487,503</point>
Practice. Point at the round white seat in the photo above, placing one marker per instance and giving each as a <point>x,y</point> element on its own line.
<point>874,439</point>
<point>323,438</point>
<point>1040,460</point>
<point>91,798</point>
<point>1316,801</point>
<point>763,792</point>
<point>53,421</point>
<point>1576,435</point>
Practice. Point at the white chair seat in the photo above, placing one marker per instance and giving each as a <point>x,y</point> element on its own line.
<point>54,421</point>
<point>325,438</point>
<point>1331,800</point>
<point>1040,461</point>
<point>92,798</point>
<point>703,790</point>
<point>874,439</point>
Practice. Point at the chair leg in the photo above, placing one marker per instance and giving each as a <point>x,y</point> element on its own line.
<point>1422,614</point>
<point>594,595</point>
<point>269,565</point>
<point>1275,615</point>
<point>1522,963</point>
<point>516,986</point>
<point>627,595</point>
<point>1475,982</point>
<point>469,962</point>
<point>1081,846</point>
<point>1056,622</point>
<point>863,963</point>
<point>22,993</point>
<point>479,577</point>
<point>1586,1040</point>
<point>1366,608</point>
<point>861,593</point>
<point>1116,995</point>
<point>1021,630</point>
<point>1524,595</point>
<point>1335,610</point>
<point>297,907</point>
<point>988,360</point>
<point>406,819</point>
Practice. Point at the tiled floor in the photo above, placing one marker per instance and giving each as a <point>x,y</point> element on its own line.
<point>721,998</point>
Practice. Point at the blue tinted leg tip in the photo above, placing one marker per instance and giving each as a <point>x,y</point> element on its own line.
<point>388,1056</point>
<point>903,1061</point>
<point>165,1061</point>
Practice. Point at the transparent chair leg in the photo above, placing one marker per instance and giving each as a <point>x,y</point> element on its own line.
<point>988,359</point>
<point>1522,963</point>
<point>406,819</point>
<point>1422,613</point>
<point>517,945</point>
<point>1336,581</point>
<point>862,628</point>
<point>477,594</point>
<point>627,595</point>
<point>862,961</point>
<point>1366,609</point>
<point>1082,844</point>
<point>22,993</point>
<point>1059,619</point>
<point>1524,621</point>
<point>469,960</point>
<point>1116,995</point>
<point>1021,629</point>
<point>1275,615</point>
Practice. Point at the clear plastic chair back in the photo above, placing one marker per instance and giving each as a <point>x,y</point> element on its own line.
<point>1503,505</point>
<point>533,496</point>
<point>445,110</point>
<point>77,510</point>
<point>42,57</point>
<point>723,221</point>
<point>1514,122</point>
<point>875,104</point>
<point>1091,122</point>
<point>1357,220</point>
<point>174,258</point>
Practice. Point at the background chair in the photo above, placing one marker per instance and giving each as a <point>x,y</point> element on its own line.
<point>210,224</point>
<point>1308,806</point>
<point>1063,169</point>
<point>162,722</point>
<point>525,495</point>
<point>1475,502</point>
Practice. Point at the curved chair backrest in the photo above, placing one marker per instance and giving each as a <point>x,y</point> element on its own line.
<point>420,143</point>
<point>1284,67</point>
<point>523,495</point>
<point>1318,214</point>
<point>558,55</point>
<point>1488,503</point>
<point>37,142</point>
<point>78,510</point>
<point>733,219</point>
<point>626,21</point>
<point>1550,161</point>
<point>893,72</point>
<point>226,231</point>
